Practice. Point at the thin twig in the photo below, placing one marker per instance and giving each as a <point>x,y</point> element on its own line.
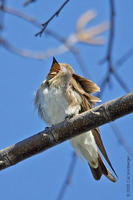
<point>111,38</point>
<point>2,5</point>
<point>111,33</point>
<point>25,52</point>
<point>67,43</point>
<point>105,82</point>
<point>122,141</point>
<point>103,86</point>
<point>124,57</point>
<point>55,35</point>
<point>45,24</point>
<point>21,15</point>
<point>26,3</point>
<point>121,82</point>
<point>108,58</point>
<point>68,178</point>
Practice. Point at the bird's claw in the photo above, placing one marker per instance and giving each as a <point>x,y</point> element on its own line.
<point>46,128</point>
<point>69,116</point>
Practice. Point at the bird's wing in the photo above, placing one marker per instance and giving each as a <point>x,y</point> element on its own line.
<point>87,98</point>
<point>87,85</point>
<point>43,85</point>
<point>98,140</point>
<point>83,87</point>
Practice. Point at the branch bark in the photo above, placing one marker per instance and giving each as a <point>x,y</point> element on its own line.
<point>65,130</point>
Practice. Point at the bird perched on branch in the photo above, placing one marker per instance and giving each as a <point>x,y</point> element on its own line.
<point>64,94</point>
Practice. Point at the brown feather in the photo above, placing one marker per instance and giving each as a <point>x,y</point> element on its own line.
<point>101,169</point>
<point>100,145</point>
<point>105,171</point>
<point>96,172</point>
<point>84,87</point>
<point>84,94</point>
<point>86,84</point>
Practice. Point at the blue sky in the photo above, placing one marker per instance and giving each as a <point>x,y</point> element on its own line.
<point>41,176</point>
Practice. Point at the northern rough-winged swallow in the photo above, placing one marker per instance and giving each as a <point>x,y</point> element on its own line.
<point>64,94</point>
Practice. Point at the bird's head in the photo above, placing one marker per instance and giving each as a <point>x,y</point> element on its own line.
<point>65,70</point>
<point>58,68</point>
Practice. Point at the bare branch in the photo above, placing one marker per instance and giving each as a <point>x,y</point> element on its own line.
<point>111,33</point>
<point>65,130</point>
<point>121,82</point>
<point>25,52</point>
<point>42,55</point>
<point>68,177</point>
<point>125,57</point>
<point>103,86</point>
<point>45,24</point>
<point>21,15</point>
<point>107,78</point>
<point>117,133</point>
<point>108,58</point>
<point>88,36</point>
<point>2,5</point>
<point>34,22</point>
<point>67,43</point>
<point>55,35</point>
<point>26,3</point>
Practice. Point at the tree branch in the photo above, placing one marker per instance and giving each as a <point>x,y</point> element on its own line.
<point>45,24</point>
<point>68,178</point>
<point>108,57</point>
<point>65,130</point>
<point>111,70</point>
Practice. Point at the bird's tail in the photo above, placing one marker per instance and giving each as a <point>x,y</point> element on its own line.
<point>101,170</point>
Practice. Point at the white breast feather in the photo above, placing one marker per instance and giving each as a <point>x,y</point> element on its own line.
<point>53,107</point>
<point>85,146</point>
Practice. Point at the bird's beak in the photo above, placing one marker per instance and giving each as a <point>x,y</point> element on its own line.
<point>54,69</point>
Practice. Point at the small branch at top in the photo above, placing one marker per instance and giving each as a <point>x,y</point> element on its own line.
<point>44,25</point>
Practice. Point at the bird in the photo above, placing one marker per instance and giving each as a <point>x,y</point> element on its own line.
<point>65,94</point>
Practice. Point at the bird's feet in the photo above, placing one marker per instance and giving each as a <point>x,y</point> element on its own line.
<point>47,128</point>
<point>69,116</point>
